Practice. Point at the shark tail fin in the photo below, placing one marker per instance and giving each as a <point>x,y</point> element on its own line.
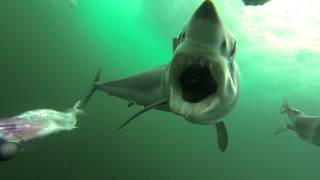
<point>93,87</point>
<point>281,130</point>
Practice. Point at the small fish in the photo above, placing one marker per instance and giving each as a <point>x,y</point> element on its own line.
<point>306,127</point>
<point>32,125</point>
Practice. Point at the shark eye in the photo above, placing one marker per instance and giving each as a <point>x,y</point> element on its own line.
<point>233,50</point>
<point>223,46</point>
<point>183,36</point>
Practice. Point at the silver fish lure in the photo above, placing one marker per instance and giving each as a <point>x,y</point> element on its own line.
<point>32,125</point>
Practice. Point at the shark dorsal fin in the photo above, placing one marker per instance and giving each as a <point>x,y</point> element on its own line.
<point>93,88</point>
<point>153,105</point>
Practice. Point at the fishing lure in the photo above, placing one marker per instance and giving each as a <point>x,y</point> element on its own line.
<point>32,125</point>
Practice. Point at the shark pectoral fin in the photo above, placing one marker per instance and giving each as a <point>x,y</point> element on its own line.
<point>285,126</point>
<point>283,129</point>
<point>153,105</point>
<point>280,130</point>
<point>175,43</point>
<point>222,135</point>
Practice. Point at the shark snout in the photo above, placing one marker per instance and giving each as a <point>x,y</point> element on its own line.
<point>207,11</point>
<point>205,26</point>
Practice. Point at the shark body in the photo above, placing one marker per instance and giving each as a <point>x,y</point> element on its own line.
<point>201,82</point>
<point>305,126</point>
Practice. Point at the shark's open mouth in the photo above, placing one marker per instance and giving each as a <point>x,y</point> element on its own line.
<point>193,79</point>
<point>197,83</point>
<point>194,86</point>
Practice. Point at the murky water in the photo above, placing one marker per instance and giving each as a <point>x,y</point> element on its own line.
<point>50,52</point>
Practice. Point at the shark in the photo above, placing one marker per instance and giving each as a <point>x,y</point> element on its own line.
<point>307,127</point>
<point>201,82</point>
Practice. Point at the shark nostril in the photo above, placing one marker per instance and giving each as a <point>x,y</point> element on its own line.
<point>197,83</point>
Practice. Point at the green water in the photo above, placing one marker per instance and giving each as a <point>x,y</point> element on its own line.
<point>49,53</point>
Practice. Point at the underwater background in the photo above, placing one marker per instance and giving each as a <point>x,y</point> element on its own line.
<point>49,54</point>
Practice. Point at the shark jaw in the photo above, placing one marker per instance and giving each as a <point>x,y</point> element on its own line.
<point>194,77</point>
<point>195,86</point>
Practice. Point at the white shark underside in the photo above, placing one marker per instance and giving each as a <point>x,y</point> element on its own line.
<point>201,82</point>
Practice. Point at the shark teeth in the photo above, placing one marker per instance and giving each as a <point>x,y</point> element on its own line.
<point>182,62</point>
<point>190,108</point>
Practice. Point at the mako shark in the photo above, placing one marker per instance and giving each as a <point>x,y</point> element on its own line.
<point>306,127</point>
<point>201,83</point>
